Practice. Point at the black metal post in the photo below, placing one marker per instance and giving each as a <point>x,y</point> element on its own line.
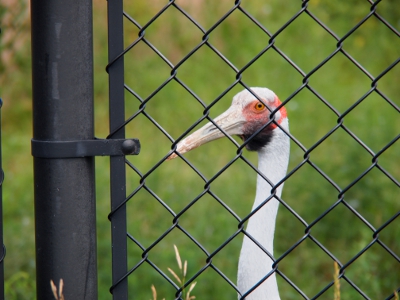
<point>3,248</point>
<point>65,216</point>
<point>117,163</point>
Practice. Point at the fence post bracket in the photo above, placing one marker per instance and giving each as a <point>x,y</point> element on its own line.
<point>85,148</point>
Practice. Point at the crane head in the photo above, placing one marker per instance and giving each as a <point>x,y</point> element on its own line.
<point>246,115</point>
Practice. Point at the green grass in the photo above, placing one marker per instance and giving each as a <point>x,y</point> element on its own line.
<point>340,157</point>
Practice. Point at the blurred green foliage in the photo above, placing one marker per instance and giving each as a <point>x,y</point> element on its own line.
<point>339,81</point>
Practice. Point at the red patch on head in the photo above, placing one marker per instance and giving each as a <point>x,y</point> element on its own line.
<point>257,117</point>
<point>282,110</point>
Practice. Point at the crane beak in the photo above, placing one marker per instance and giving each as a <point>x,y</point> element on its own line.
<point>231,121</point>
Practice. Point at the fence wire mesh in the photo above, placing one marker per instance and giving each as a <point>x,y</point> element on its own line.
<point>334,66</point>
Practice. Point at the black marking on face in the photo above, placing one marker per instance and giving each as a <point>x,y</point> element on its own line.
<point>259,141</point>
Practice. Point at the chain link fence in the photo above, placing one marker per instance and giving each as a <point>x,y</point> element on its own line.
<point>177,64</point>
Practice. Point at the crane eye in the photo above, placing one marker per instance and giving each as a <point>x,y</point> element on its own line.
<point>259,106</point>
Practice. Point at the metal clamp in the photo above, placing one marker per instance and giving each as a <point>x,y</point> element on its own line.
<point>85,148</point>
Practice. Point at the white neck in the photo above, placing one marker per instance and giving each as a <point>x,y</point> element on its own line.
<point>254,264</point>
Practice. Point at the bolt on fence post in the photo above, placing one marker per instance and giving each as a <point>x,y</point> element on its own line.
<point>65,215</point>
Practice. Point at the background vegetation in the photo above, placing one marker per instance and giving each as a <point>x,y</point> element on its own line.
<point>341,83</point>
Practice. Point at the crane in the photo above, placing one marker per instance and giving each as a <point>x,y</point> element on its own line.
<point>244,117</point>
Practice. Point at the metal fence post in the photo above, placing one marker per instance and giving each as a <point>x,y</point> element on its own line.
<point>65,216</point>
<point>115,69</point>
<point>2,247</point>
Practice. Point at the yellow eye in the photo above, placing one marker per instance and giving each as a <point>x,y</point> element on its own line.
<point>259,106</point>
